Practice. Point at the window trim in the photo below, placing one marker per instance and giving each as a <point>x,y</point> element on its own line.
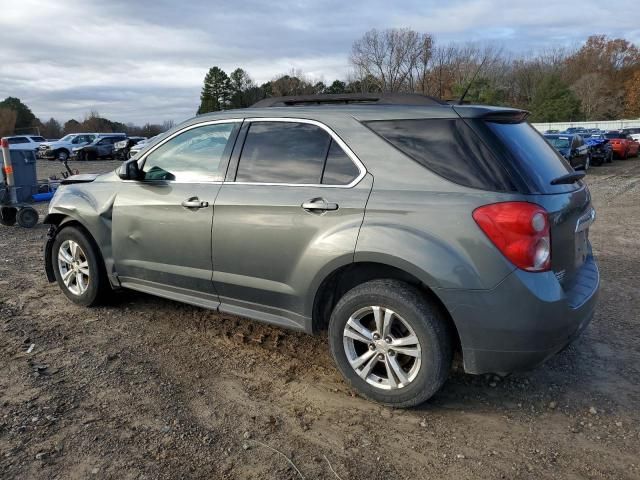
<point>352,156</point>
<point>142,160</point>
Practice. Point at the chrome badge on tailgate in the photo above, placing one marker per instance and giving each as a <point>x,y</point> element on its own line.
<point>582,236</point>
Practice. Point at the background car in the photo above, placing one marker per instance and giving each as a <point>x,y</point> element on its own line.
<point>121,148</point>
<point>25,142</point>
<point>601,151</point>
<point>573,148</point>
<point>133,151</point>
<point>101,147</point>
<point>61,149</point>
<point>633,132</point>
<point>622,144</point>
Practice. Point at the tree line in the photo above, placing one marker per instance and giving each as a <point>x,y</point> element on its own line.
<point>599,80</point>
<point>17,118</point>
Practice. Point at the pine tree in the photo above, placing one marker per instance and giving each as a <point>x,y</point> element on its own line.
<point>216,91</point>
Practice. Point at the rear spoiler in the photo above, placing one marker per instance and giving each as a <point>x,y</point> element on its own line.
<point>508,116</point>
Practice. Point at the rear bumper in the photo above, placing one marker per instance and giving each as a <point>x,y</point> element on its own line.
<point>523,321</point>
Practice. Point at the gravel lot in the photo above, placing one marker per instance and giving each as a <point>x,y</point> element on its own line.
<point>149,388</point>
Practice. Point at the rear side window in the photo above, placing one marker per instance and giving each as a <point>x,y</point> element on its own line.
<point>449,148</point>
<point>339,169</point>
<point>532,156</point>
<point>16,140</point>
<point>283,152</point>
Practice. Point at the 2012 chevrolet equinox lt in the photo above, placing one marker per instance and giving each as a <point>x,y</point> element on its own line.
<point>408,231</point>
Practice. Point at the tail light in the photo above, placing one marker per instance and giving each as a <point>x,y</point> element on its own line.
<point>520,230</point>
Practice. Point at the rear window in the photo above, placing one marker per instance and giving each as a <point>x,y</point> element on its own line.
<point>449,148</point>
<point>531,156</point>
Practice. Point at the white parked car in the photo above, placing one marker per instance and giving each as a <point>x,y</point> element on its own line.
<point>61,149</point>
<point>25,142</point>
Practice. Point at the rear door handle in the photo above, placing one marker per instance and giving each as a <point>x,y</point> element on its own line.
<point>319,204</point>
<point>194,202</point>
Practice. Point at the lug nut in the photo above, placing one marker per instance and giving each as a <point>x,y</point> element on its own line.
<point>376,336</point>
<point>388,339</point>
<point>380,356</point>
<point>392,353</point>
<point>372,346</point>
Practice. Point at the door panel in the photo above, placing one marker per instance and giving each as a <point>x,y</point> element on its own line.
<point>161,223</point>
<point>268,250</point>
<point>157,241</point>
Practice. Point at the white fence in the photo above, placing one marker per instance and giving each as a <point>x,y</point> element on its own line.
<point>603,125</point>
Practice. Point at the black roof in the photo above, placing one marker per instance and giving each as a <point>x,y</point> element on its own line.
<point>349,98</point>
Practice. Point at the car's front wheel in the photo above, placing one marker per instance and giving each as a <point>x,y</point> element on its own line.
<point>77,267</point>
<point>390,343</point>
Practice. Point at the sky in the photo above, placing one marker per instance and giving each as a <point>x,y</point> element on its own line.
<point>144,61</point>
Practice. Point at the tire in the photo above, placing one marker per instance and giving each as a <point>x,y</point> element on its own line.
<point>27,217</point>
<point>8,216</point>
<point>62,155</point>
<point>414,318</point>
<point>93,286</point>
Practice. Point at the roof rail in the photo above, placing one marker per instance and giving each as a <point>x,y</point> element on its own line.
<point>349,98</point>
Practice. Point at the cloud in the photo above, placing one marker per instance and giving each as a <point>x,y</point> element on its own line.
<point>145,60</point>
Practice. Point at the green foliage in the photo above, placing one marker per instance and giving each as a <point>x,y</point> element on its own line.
<point>24,116</point>
<point>337,87</point>
<point>554,101</point>
<point>216,91</point>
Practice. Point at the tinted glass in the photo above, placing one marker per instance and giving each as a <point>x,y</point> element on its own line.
<point>533,157</point>
<point>559,142</point>
<point>193,156</point>
<point>614,135</point>
<point>339,169</point>
<point>283,152</point>
<point>15,140</point>
<point>447,147</point>
<point>38,139</point>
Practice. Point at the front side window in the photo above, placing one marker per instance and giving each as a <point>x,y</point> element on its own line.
<point>193,156</point>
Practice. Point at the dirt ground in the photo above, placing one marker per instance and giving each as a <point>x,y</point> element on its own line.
<point>149,388</point>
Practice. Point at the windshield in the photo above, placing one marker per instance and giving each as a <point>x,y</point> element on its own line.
<point>67,138</point>
<point>559,142</point>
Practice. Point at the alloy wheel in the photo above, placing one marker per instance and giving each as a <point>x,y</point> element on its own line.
<point>382,348</point>
<point>74,267</point>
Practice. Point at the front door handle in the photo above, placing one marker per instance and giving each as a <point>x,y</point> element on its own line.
<point>194,202</point>
<point>319,204</point>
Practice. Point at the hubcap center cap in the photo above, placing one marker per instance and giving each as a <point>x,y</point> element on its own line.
<point>382,346</point>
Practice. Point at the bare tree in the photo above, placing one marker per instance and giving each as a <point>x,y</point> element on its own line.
<point>391,56</point>
<point>591,88</point>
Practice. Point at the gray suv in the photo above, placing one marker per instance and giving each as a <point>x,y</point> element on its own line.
<point>408,228</point>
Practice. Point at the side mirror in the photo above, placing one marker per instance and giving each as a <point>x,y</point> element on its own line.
<point>130,171</point>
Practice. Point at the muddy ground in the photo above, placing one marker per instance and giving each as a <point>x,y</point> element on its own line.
<point>149,388</point>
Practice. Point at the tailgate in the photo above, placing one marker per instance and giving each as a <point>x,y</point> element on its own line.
<point>570,216</point>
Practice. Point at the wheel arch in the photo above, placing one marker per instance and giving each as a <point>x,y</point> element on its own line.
<point>58,222</point>
<point>343,278</point>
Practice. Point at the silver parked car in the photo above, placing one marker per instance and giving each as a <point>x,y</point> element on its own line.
<point>407,228</point>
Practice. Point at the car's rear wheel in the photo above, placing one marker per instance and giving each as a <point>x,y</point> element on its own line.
<point>77,267</point>
<point>390,343</point>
